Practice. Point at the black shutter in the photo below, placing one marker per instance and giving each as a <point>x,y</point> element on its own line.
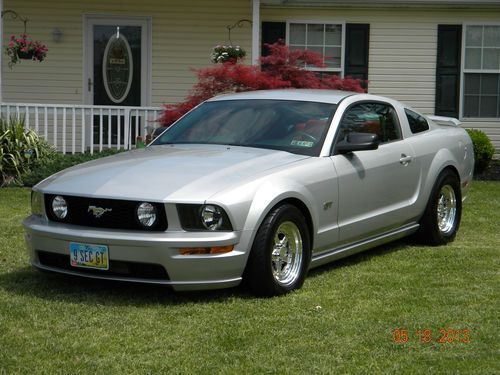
<point>356,52</point>
<point>448,70</point>
<point>271,33</point>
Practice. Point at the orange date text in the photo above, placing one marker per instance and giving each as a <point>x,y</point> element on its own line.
<point>425,336</point>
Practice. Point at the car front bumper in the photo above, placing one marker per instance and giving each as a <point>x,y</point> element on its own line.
<point>132,255</point>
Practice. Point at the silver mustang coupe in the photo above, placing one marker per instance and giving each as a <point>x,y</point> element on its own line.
<point>259,187</point>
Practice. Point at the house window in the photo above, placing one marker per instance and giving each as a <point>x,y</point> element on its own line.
<point>481,90</point>
<point>324,38</point>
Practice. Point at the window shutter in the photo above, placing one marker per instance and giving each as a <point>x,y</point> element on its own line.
<point>448,70</point>
<point>357,50</point>
<point>271,33</point>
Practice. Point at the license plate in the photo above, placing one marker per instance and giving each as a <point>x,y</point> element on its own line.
<point>89,256</point>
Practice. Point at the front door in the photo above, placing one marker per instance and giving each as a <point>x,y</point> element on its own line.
<point>377,187</point>
<point>117,73</point>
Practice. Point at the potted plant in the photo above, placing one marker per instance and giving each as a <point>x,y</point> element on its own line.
<point>223,53</point>
<point>23,48</point>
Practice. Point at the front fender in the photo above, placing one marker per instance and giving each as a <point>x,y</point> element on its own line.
<point>270,194</point>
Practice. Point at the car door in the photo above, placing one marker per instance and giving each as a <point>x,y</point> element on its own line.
<point>376,187</point>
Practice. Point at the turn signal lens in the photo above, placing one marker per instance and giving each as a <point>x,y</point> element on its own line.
<point>206,250</point>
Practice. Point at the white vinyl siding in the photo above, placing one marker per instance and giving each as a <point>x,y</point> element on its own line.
<point>402,50</point>
<point>183,34</point>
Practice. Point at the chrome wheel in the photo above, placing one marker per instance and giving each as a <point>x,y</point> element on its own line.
<point>286,255</point>
<point>446,209</point>
<point>281,253</point>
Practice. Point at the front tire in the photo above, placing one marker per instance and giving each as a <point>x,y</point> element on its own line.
<point>441,219</point>
<point>280,254</point>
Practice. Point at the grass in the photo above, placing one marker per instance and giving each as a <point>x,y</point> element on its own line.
<point>341,321</point>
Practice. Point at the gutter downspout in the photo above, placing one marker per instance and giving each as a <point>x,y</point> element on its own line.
<point>255,31</point>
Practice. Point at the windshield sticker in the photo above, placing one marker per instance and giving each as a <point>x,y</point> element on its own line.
<point>302,143</point>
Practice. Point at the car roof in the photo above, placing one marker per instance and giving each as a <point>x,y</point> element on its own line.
<point>323,96</point>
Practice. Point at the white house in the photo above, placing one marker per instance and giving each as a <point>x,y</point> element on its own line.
<point>439,56</point>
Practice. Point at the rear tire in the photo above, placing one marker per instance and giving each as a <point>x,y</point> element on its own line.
<point>441,219</point>
<point>280,254</point>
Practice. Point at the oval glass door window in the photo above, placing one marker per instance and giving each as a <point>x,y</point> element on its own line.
<point>117,68</point>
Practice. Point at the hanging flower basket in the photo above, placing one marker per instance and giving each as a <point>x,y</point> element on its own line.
<point>23,48</point>
<point>222,54</point>
<point>25,55</point>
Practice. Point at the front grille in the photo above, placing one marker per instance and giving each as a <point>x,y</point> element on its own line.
<point>120,214</point>
<point>117,268</point>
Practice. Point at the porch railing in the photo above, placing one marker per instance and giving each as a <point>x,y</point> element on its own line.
<point>81,128</point>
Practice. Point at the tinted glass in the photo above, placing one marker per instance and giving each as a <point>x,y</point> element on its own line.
<point>417,123</point>
<point>374,118</point>
<point>294,126</point>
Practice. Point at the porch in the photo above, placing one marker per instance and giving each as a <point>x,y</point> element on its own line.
<point>403,57</point>
<point>85,128</point>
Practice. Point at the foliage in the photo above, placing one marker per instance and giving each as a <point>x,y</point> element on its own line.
<point>282,69</point>
<point>23,47</point>
<point>342,321</point>
<point>26,159</point>
<point>222,54</point>
<point>57,162</point>
<point>20,150</point>
<point>483,149</point>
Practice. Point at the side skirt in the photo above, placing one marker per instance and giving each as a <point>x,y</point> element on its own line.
<point>356,247</point>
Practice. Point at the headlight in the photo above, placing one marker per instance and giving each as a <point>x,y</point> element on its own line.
<point>203,217</point>
<point>146,214</point>
<point>36,203</point>
<point>59,207</point>
<point>211,217</point>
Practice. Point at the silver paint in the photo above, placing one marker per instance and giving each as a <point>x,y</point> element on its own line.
<point>378,195</point>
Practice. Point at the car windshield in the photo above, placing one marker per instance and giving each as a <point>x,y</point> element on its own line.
<point>295,126</point>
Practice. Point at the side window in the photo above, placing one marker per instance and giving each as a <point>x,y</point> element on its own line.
<point>374,118</point>
<point>417,123</point>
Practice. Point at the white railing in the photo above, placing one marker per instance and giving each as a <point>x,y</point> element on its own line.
<point>81,128</point>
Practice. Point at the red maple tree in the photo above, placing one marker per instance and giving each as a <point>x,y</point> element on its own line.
<point>281,69</point>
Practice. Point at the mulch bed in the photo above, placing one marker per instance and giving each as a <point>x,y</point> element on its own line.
<point>492,173</point>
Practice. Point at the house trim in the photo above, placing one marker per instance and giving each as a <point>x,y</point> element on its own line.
<point>456,4</point>
<point>255,32</point>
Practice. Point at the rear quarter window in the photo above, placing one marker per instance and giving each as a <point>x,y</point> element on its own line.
<point>417,122</point>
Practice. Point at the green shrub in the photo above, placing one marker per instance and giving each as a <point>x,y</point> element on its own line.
<point>20,149</point>
<point>44,168</point>
<point>483,149</point>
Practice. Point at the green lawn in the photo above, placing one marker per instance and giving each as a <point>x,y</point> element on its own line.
<point>341,321</point>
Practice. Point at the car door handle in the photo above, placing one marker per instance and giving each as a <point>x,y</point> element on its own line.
<point>405,159</point>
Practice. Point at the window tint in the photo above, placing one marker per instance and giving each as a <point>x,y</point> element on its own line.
<point>417,123</point>
<point>373,118</point>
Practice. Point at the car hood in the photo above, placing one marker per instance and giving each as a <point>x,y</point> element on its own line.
<point>180,173</point>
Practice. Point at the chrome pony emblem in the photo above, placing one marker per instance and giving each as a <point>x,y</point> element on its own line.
<point>98,211</point>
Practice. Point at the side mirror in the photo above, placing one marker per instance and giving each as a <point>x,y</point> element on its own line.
<point>357,142</point>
